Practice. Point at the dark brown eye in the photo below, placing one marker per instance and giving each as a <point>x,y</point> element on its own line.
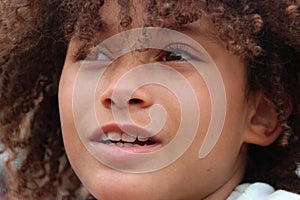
<point>172,56</point>
<point>178,52</point>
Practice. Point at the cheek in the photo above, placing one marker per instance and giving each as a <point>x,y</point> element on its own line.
<point>227,152</point>
<point>65,97</point>
<point>72,143</point>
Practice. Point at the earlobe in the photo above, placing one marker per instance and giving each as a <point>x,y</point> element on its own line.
<point>263,127</point>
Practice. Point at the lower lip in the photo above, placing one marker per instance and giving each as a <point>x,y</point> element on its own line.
<point>121,153</point>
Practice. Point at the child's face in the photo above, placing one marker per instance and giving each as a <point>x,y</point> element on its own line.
<point>188,177</point>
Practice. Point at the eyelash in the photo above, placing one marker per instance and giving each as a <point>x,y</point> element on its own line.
<point>97,55</point>
<point>179,50</point>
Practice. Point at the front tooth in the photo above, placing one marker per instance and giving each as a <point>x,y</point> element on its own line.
<point>142,139</point>
<point>114,136</point>
<point>128,138</point>
<point>104,138</point>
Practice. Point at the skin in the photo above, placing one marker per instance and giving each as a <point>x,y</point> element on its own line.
<point>213,177</point>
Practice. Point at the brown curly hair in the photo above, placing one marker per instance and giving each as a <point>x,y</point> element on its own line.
<point>34,35</point>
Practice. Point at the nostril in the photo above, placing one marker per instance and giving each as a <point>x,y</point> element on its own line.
<point>121,98</point>
<point>135,101</point>
<point>107,102</point>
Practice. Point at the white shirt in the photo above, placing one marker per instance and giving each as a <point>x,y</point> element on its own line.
<point>260,191</point>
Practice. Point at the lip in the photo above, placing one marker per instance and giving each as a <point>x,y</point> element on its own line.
<point>121,153</point>
<point>127,128</point>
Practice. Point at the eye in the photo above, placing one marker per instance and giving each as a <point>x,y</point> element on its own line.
<point>177,52</point>
<point>98,55</point>
<point>173,56</point>
<point>102,57</point>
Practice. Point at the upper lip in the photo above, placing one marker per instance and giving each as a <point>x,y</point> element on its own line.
<point>129,129</point>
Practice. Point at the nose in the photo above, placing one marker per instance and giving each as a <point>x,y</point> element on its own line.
<point>125,83</point>
<point>126,95</point>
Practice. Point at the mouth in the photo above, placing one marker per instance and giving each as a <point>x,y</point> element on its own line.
<point>115,139</point>
<point>122,139</point>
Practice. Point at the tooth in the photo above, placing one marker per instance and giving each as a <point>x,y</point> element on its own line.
<point>128,145</point>
<point>142,139</point>
<point>104,138</point>
<point>128,138</point>
<point>112,144</point>
<point>114,136</point>
<point>136,145</point>
<point>120,144</point>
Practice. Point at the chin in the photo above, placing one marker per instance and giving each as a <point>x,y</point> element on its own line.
<point>115,185</point>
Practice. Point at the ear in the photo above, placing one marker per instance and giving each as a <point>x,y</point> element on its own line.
<point>263,127</point>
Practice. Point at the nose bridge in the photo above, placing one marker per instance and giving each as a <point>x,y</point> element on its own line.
<point>123,89</point>
<point>125,63</point>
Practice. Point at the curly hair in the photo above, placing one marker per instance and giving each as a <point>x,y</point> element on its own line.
<point>34,35</point>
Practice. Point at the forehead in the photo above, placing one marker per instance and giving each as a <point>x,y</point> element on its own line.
<point>195,18</point>
<point>161,13</point>
<point>117,17</point>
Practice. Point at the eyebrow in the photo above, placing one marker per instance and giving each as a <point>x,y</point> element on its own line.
<point>195,30</point>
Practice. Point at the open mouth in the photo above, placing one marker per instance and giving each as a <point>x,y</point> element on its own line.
<point>126,137</point>
<point>124,147</point>
<point>122,139</point>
